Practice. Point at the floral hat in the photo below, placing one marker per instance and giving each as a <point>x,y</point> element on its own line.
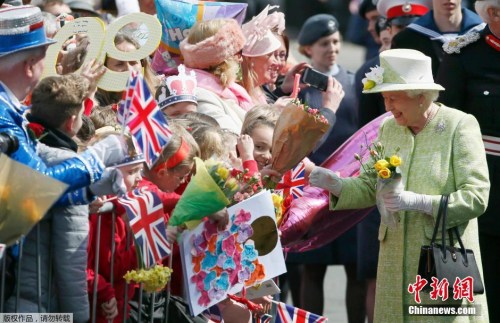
<point>258,32</point>
<point>401,70</point>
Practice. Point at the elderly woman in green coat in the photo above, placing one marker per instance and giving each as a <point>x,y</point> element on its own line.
<point>442,153</point>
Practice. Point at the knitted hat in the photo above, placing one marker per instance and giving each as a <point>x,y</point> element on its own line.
<point>401,70</point>
<point>212,51</point>
<point>21,28</point>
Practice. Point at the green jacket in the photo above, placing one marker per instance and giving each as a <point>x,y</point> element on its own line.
<point>446,157</point>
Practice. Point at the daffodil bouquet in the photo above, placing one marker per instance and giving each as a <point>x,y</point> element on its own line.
<point>388,177</point>
<point>210,189</point>
<point>385,166</point>
<point>153,279</point>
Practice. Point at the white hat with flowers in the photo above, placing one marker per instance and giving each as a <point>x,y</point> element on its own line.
<point>401,70</point>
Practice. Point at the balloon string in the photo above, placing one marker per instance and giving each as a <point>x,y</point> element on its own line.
<point>296,83</point>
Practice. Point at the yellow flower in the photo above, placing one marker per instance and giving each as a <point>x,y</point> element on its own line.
<point>232,184</point>
<point>278,201</point>
<point>381,164</point>
<point>384,173</point>
<point>369,84</point>
<point>395,160</point>
<point>223,172</point>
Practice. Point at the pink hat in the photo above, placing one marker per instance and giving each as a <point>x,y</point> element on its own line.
<point>214,50</point>
<point>259,33</point>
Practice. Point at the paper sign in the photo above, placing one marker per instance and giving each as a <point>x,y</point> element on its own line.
<point>247,253</point>
<point>267,288</point>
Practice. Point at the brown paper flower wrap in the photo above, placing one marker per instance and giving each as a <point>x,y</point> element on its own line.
<point>297,131</point>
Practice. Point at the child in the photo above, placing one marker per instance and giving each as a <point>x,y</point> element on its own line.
<point>110,297</point>
<point>57,108</point>
<point>177,95</point>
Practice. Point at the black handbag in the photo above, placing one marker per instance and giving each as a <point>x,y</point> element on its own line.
<point>446,261</point>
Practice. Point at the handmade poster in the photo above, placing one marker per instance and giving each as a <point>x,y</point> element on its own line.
<point>177,17</point>
<point>220,262</point>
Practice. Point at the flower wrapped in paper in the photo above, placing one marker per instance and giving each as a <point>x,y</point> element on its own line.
<point>298,129</point>
<point>210,190</point>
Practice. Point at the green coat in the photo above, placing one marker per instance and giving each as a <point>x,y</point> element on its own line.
<point>446,157</point>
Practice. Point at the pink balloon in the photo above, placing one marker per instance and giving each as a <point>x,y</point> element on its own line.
<point>310,224</point>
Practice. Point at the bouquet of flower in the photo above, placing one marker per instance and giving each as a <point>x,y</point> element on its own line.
<point>210,190</point>
<point>154,278</point>
<point>388,177</point>
<point>297,131</point>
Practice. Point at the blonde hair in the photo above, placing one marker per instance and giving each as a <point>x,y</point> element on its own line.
<point>260,115</point>
<point>227,70</point>
<point>57,98</point>
<point>210,141</point>
<point>249,79</point>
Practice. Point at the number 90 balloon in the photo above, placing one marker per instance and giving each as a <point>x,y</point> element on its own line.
<point>102,45</point>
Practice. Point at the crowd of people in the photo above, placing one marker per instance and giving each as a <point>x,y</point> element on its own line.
<point>436,75</point>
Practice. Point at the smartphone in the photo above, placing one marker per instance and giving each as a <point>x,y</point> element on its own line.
<point>315,79</point>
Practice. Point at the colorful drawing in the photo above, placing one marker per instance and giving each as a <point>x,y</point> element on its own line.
<point>220,262</point>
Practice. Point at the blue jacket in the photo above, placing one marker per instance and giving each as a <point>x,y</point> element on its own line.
<point>77,172</point>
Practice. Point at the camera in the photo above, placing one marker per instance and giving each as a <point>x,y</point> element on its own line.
<point>315,79</point>
<point>8,143</point>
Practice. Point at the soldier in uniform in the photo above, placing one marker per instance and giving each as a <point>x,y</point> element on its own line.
<point>470,73</point>
<point>444,22</point>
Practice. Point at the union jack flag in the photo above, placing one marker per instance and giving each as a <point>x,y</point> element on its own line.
<point>145,212</point>
<point>293,182</point>
<point>288,314</point>
<point>140,113</point>
<point>265,318</point>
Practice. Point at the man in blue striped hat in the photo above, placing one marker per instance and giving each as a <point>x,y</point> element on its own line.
<point>22,54</point>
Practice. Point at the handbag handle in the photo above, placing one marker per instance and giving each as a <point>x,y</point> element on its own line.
<point>443,213</point>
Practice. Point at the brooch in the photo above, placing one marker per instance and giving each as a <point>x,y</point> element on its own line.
<point>454,46</point>
<point>440,126</point>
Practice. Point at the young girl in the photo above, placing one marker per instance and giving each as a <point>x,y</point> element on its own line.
<point>110,296</point>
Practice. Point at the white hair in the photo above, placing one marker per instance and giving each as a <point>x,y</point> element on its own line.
<point>10,61</point>
<point>429,95</point>
<point>482,6</point>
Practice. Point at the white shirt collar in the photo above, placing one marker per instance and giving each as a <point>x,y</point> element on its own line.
<point>13,99</point>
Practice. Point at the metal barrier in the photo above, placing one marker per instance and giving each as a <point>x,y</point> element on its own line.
<point>140,311</point>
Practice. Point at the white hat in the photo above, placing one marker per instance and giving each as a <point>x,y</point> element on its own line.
<point>395,10</point>
<point>400,70</point>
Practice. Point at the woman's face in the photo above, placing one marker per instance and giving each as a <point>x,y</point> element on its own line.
<point>324,51</point>
<point>262,137</point>
<point>406,110</point>
<point>122,66</point>
<point>266,68</point>
<point>280,54</point>
<point>131,175</point>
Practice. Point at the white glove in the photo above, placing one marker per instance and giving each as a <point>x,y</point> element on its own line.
<point>111,183</point>
<point>326,179</point>
<point>395,201</point>
<point>110,150</point>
